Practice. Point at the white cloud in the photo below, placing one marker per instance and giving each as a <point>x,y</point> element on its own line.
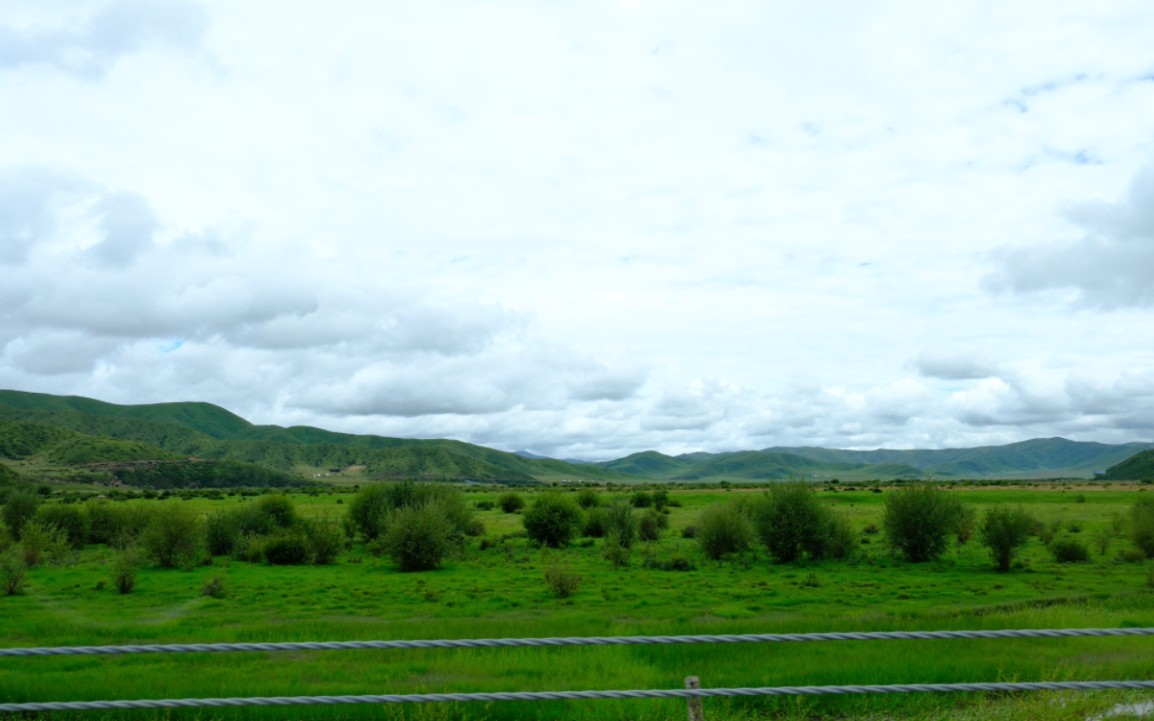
<point>586,230</point>
<point>1110,267</point>
<point>86,40</point>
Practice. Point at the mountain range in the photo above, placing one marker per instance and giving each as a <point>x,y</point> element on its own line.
<point>192,443</point>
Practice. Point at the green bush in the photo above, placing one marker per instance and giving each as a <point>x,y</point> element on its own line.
<point>552,520</point>
<point>1142,526</point>
<point>510,502</point>
<point>641,499</point>
<point>561,579</point>
<point>660,499</point>
<point>614,551</point>
<point>13,571</point>
<point>373,506</point>
<point>215,587</point>
<point>594,526</point>
<point>41,542</point>
<point>173,535</point>
<point>791,522</point>
<point>124,570</point>
<point>1069,550</point>
<point>484,505</point>
<point>290,548</point>
<point>68,518</point>
<point>650,524</point>
<point>588,498</point>
<point>918,519</point>
<point>620,523</point>
<point>418,538</point>
<point>1003,531</point>
<point>19,508</point>
<point>325,540</point>
<point>118,525</point>
<point>723,529</point>
<point>221,533</point>
<point>279,509</point>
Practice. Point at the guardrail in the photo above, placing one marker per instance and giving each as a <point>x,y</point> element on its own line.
<point>691,693</point>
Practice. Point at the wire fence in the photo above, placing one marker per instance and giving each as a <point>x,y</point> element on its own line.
<point>687,693</point>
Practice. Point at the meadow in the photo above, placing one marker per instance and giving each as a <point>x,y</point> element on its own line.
<point>496,588</point>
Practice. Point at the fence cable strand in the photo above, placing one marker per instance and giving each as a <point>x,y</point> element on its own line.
<point>570,641</point>
<point>574,695</point>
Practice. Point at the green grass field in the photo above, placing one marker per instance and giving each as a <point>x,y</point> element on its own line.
<point>500,592</point>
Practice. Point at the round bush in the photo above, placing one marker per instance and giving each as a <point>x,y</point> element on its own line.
<point>723,529</point>
<point>1069,550</point>
<point>918,519</point>
<point>290,549</point>
<point>510,502</point>
<point>552,520</point>
<point>418,538</point>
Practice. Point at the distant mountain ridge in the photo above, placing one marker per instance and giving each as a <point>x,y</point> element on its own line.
<point>41,430</point>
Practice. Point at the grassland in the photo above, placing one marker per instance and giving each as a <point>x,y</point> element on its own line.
<point>499,592</point>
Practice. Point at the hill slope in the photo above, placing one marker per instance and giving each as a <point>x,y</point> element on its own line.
<point>1139,467</point>
<point>167,431</point>
<point>80,432</point>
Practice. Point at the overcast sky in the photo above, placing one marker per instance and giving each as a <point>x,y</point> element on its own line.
<point>588,228</point>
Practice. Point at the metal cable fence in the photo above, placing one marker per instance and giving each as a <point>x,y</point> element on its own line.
<point>688,693</point>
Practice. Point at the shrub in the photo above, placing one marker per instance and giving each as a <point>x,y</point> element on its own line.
<point>367,510</point>
<point>215,587</point>
<point>222,533</point>
<point>124,570</point>
<point>19,509</point>
<point>418,538</point>
<point>68,518</point>
<point>649,526</point>
<point>1142,526</point>
<point>484,505</point>
<point>594,526</point>
<point>279,510</point>
<point>917,520</point>
<point>325,540</point>
<point>287,549</point>
<point>620,522</point>
<point>967,522</point>
<point>172,537</point>
<point>1003,531</point>
<point>722,529</point>
<point>13,571</point>
<point>1069,550</point>
<point>41,542</point>
<point>790,521</point>
<point>588,498</point>
<point>552,520</point>
<point>676,563</point>
<point>510,502</point>
<point>660,499</point>
<point>117,525</point>
<point>614,551</point>
<point>374,506</point>
<point>561,579</point>
<point>641,499</point>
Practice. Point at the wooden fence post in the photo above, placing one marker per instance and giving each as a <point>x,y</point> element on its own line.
<point>693,703</point>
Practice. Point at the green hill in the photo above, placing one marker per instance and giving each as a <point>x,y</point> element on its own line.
<point>48,432</point>
<point>1039,457</point>
<point>77,431</point>
<point>649,463</point>
<point>1139,467</point>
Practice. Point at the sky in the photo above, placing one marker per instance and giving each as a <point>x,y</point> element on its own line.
<point>586,229</point>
